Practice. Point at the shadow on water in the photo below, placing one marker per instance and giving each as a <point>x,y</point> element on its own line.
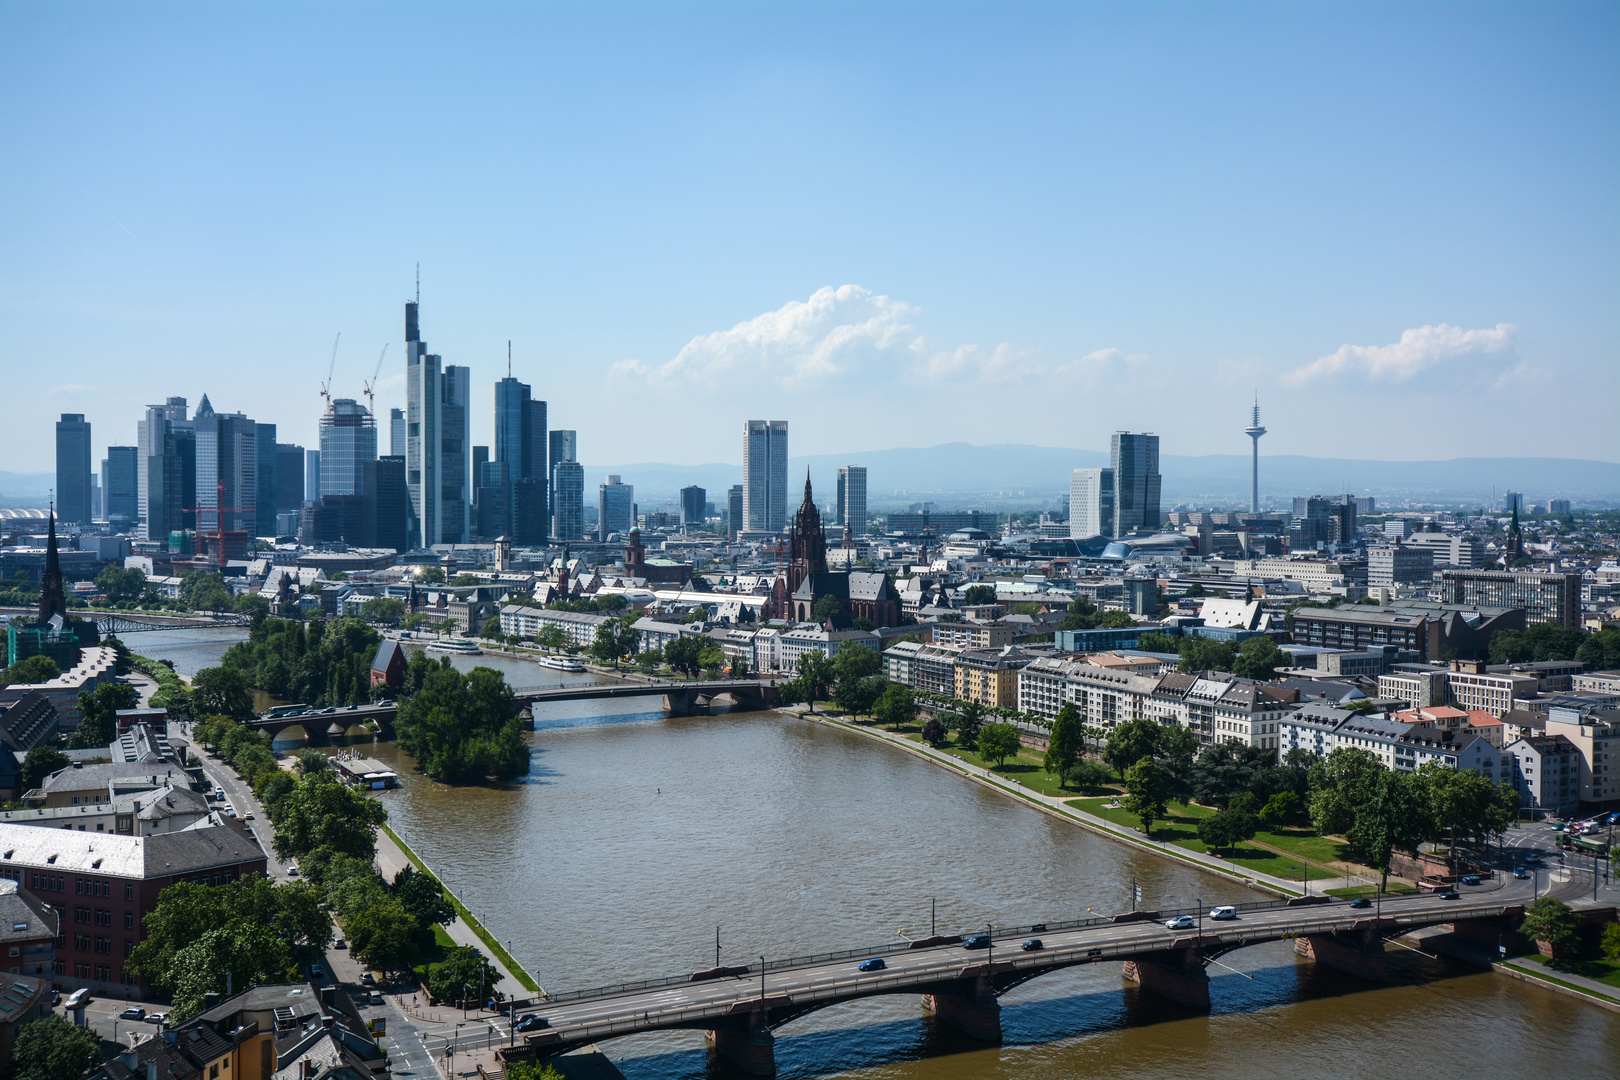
<point>845,1049</point>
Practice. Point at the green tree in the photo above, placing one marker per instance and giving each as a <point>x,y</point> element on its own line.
<point>33,669</point>
<point>1063,744</point>
<point>896,707</point>
<point>98,714</point>
<point>1115,620</point>
<point>240,956</point>
<point>1155,642</point>
<point>40,762</point>
<point>1283,808</point>
<point>1391,815</point>
<point>685,654</point>
<point>1130,742</point>
<point>383,609</point>
<point>532,1070</point>
<point>201,590</point>
<point>1082,615</point>
<point>1259,658</point>
<point>384,935</point>
<point>1227,829</point>
<point>615,639</point>
<point>120,584</point>
<point>430,575</point>
<point>463,727</point>
<point>998,742</point>
<point>464,580</point>
<point>979,594</point>
<point>423,898</point>
<point>1089,775</point>
<point>323,814</point>
<point>1337,785</point>
<point>271,788</point>
<point>1148,784</point>
<point>815,675</point>
<point>1205,654</point>
<point>222,690</point>
<point>312,761</point>
<point>969,724</point>
<point>1551,920</point>
<point>51,1048</point>
<point>828,607</point>
<point>1611,941</point>
<point>464,973</point>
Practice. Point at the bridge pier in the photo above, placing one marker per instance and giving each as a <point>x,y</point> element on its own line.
<point>1175,974</point>
<point>685,703</point>
<point>970,1006</point>
<point>1354,952</point>
<point>747,1043</point>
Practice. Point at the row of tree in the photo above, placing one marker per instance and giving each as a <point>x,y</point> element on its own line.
<point>461,727</point>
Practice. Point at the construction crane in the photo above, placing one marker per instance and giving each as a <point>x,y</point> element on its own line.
<point>371,399</point>
<point>327,385</point>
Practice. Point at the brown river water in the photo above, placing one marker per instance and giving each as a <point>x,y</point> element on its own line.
<point>636,835</point>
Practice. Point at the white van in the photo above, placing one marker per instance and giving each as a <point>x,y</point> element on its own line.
<point>1225,911</point>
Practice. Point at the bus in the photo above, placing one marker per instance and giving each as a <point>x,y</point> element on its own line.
<point>284,710</point>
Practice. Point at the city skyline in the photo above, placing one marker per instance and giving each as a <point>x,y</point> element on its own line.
<point>1152,250</point>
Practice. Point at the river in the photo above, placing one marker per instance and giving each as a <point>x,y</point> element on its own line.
<point>635,835</point>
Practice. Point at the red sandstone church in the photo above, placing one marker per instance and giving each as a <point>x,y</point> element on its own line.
<point>864,595</point>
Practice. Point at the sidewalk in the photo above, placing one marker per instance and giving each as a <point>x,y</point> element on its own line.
<point>1061,808</point>
<point>391,860</point>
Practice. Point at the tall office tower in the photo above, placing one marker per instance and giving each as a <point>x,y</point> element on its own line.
<point>1329,517</point>
<point>118,476</point>
<point>1513,502</point>
<point>95,497</point>
<point>765,457</point>
<point>396,433</point>
<point>73,469</point>
<point>480,458</point>
<point>615,507</point>
<point>521,445</point>
<point>289,477</point>
<point>693,500</point>
<point>734,509</point>
<point>383,507</point>
<point>312,476</point>
<point>561,446</point>
<point>348,441</point>
<point>1254,431</point>
<point>166,471</point>
<point>1091,503</point>
<point>1135,461</point>
<point>852,499</point>
<point>438,461</point>
<point>266,462</point>
<point>568,500</point>
<point>494,501</point>
<point>227,469</point>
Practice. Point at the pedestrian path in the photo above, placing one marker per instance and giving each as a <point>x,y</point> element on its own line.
<point>391,860</point>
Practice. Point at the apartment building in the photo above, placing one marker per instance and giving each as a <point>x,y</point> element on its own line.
<point>989,677</point>
<point>1546,598</point>
<point>1595,734</point>
<point>928,669</point>
<point>1399,564</point>
<point>1419,685</point>
<point>971,635</point>
<point>1471,685</point>
<point>1547,773</point>
<point>1321,729</point>
<point>578,627</point>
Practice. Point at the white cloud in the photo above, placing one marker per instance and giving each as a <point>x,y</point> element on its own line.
<point>74,388</point>
<point>1419,348</point>
<point>835,332</point>
<point>850,330</point>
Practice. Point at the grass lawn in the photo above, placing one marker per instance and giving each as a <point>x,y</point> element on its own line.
<point>1603,971</point>
<point>1302,843</point>
<point>1370,891</point>
<point>1180,828</point>
<point>1025,767</point>
<point>433,955</point>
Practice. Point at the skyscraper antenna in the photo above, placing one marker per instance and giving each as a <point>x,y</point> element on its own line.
<point>418,283</point>
<point>508,358</point>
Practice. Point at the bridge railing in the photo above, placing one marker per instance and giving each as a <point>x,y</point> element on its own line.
<point>886,948</point>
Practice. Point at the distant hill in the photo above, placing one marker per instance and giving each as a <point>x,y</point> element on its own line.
<point>1011,475</point>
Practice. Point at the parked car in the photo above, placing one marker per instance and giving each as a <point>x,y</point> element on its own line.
<point>157,1018</point>
<point>1180,922</point>
<point>368,979</point>
<point>977,941</point>
<point>874,964</point>
<point>316,971</point>
<point>134,1012</point>
<point>1361,902</point>
<point>1034,944</point>
<point>292,869</point>
<point>376,997</point>
<point>78,999</point>
<point>1225,911</point>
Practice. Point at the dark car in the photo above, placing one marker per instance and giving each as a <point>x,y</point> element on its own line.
<point>977,941</point>
<point>1032,945</point>
<point>874,964</point>
<point>533,1023</point>
<point>316,971</point>
<point>1361,902</point>
<point>1518,872</point>
<point>1447,894</point>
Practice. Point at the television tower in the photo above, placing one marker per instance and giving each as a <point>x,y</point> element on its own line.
<point>1254,431</point>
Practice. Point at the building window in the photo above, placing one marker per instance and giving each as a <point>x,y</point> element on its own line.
<point>129,920</point>
<point>129,892</point>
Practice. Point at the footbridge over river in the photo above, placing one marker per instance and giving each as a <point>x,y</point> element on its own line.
<point>739,1008</point>
<point>679,698</point>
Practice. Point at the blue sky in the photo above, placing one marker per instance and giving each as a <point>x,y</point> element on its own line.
<point>891,225</point>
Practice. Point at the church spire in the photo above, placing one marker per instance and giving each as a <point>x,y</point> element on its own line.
<point>52,601</point>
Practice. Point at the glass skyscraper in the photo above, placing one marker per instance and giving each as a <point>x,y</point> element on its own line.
<point>73,468</point>
<point>765,457</point>
<point>348,441</point>
<point>1135,461</point>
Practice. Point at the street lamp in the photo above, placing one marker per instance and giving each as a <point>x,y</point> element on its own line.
<point>762,982</point>
<point>717,946</point>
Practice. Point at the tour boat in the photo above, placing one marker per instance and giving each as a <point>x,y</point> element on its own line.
<point>457,646</point>
<point>561,663</point>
